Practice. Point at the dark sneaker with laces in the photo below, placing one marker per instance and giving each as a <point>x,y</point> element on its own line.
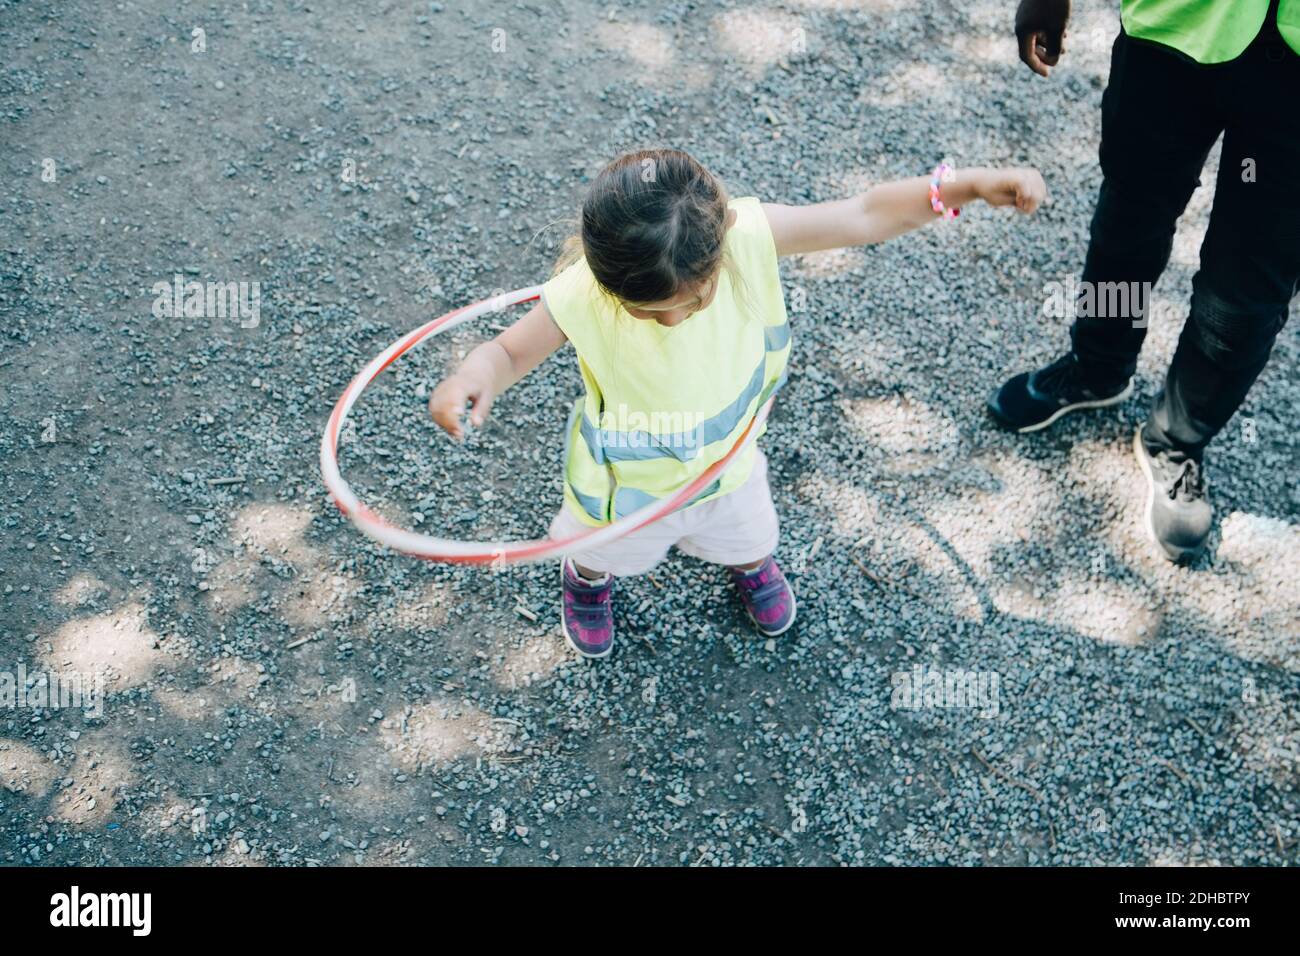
<point>1178,515</point>
<point>587,615</point>
<point>767,597</point>
<point>1033,400</point>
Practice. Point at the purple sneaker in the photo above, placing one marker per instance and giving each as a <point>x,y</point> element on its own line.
<point>588,615</point>
<point>767,597</point>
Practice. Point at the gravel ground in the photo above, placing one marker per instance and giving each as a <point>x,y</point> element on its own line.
<point>281,691</point>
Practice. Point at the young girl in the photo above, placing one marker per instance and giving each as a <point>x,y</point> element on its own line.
<point>671,297</point>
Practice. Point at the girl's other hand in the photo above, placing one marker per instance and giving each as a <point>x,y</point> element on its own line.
<point>493,367</point>
<point>449,400</point>
<point>1021,187</point>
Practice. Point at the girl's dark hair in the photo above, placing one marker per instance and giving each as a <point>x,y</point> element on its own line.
<point>652,226</point>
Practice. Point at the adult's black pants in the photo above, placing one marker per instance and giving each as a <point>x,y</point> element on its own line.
<point>1161,114</point>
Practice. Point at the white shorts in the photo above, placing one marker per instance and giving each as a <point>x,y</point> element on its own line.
<point>735,529</point>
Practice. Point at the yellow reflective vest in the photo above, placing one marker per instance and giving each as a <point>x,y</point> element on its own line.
<point>1208,31</point>
<point>663,404</point>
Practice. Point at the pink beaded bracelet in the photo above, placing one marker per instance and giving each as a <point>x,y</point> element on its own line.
<point>943,172</point>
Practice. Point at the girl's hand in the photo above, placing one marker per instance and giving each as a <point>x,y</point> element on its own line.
<point>492,368</point>
<point>1022,187</point>
<point>449,400</point>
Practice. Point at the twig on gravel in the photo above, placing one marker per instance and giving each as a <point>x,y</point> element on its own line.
<point>1001,775</point>
<point>938,783</point>
<point>952,764</point>
<point>775,832</point>
<point>301,641</point>
<point>1033,684</point>
<point>1199,729</point>
<point>232,480</point>
<point>875,578</point>
<point>886,585</point>
<point>1175,771</point>
<point>1004,776</point>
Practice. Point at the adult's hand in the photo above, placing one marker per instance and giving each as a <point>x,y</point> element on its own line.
<point>1040,31</point>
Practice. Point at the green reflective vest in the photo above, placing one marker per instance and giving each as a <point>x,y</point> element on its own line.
<point>1208,31</point>
<point>663,404</point>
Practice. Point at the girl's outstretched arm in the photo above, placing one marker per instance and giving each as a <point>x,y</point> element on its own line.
<point>493,367</point>
<point>891,209</point>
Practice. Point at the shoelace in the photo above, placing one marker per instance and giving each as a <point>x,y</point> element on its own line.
<point>1188,480</point>
<point>1060,373</point>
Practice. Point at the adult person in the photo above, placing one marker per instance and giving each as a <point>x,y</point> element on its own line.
<point>1182,72</point>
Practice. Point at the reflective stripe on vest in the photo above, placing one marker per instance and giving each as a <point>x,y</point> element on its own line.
<point>608,444</point>
<point>627,499</point>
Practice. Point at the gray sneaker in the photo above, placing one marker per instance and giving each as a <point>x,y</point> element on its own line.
<point>1178,516</point>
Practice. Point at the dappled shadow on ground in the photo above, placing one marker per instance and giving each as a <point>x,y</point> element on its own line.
<point>278,690</point>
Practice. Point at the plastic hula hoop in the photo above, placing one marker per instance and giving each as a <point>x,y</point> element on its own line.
<point>452,551</point>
